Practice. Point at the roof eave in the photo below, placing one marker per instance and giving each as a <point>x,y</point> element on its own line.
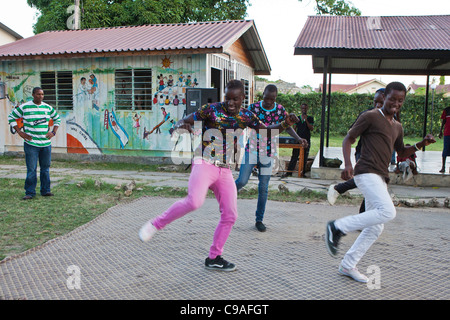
<point>254,45</point>
<point>104,54</point>
<point>373,53</point>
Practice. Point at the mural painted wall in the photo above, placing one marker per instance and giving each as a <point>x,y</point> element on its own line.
<point>96,124</point>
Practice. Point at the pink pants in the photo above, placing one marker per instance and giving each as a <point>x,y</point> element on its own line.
<point>206,176</point>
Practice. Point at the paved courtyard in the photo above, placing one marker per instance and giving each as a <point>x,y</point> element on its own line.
<point>104,259</point>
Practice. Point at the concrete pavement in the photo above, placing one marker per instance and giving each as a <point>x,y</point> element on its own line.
<point>170,179</point>
<point>104,259</point>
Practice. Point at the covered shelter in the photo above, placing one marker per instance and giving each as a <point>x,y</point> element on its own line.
<point>401,45</point>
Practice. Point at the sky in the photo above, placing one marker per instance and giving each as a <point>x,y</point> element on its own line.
<point>279,23</point>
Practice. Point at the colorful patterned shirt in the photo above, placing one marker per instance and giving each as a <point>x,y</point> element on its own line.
<point>36,119</point>
<point>219,129</point>
<point>269,117</point>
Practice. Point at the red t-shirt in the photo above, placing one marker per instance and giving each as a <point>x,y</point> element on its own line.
<point>446,116</point>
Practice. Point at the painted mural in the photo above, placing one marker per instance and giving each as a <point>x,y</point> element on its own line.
<point>96,125</point>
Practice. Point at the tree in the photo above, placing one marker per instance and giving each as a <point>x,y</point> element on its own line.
<point>112,13</point>
<point>336,8</point>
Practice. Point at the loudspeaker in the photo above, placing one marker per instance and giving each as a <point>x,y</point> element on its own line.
<point>197,97</point>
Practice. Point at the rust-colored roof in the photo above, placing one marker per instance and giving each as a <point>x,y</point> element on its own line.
<point>205,37</point>
<point>440,88</point>
<point>346,87</point>
<point>394,33</point>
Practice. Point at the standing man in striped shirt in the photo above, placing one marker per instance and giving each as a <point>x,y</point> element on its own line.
<point>36,116</point>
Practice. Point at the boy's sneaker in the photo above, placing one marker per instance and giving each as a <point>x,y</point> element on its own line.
<point>353,273</point>
<point>147,231</point>
<point>219,263</point>
<point>332,237</point>
<point>332,194</point>
<point>260,226</point>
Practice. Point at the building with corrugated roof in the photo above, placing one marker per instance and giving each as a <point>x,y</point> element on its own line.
<point>440,88</point>
<point>402,45</point>
<point>120,90</point>
<point>369,86</point>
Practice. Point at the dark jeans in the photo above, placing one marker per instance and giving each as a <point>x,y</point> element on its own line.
<point>345,186</point>
<point>294,159</point>
<point>348,185</point>
<point>264,174</point>
<point>32,155</point>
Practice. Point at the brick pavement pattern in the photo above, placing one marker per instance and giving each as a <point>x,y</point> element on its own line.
<point>287,262</point>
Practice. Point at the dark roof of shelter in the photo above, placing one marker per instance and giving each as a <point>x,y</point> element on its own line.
<point>378,45</point>
<point>200,37</point>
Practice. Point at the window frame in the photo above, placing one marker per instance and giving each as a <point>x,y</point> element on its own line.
<point>127,83</point>
<point>58,88</point>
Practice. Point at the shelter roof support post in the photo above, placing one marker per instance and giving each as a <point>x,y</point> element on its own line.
<point>328,109</point>
<point>426,108</point>
<point>324,96</point>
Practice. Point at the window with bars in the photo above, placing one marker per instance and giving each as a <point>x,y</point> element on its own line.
<point>133,89</point>
<point>58,89</point>
<point>227,75</point>
<point>246,101</point>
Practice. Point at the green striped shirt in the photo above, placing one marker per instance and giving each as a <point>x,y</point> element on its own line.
<point>36,119</point>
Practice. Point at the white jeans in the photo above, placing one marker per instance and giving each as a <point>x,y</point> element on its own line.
<point>379,210</point>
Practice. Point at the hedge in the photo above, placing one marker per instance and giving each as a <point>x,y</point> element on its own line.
<point>346,107</point>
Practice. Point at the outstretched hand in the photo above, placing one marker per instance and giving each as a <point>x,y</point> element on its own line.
<point>304,143</point>
<point>184,125</point>
<point>429,139</point>
<point>292,119</point>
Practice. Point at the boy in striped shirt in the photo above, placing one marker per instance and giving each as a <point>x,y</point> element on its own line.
<point>36,116</point>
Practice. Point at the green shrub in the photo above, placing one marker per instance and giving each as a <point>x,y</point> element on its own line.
<point>346,107</point>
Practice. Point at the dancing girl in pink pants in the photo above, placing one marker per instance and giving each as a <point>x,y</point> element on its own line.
<point>211,170</point>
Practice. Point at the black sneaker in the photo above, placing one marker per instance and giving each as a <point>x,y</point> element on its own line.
<point>219,263</point>
<point>260,226</point>
<point>332,237</point>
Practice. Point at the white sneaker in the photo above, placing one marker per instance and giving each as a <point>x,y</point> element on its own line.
<point>353,273</point>
<point>147,231</point>
<point>332,194</point>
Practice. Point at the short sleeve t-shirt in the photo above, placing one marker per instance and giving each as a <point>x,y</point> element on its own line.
<point>379,138</point>
<point>219,129</point>
<point>269,117</point>
<point>302,128</point>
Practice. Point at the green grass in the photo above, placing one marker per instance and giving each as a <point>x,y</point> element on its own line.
<point>91,165</point>
<point>26,224</point>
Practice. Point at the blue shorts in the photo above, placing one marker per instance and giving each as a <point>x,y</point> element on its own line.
<point>446,151</point>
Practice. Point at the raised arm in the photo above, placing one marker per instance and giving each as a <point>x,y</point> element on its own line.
<point>294,135</point>
<point>291,119</point>
<point>186,123</point>
<point>406,151</point>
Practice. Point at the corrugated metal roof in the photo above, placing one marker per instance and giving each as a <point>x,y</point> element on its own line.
<point>393,33</point>
<point>377,45</point>
<point>215,36</point>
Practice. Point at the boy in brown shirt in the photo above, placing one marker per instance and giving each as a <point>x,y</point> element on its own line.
<point>380,134</point>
